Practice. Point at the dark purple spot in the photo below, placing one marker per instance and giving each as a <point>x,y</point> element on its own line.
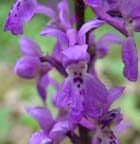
<point>78,79</point>
<point>80,74</point>
<point>74,80</point>
<point>75,73</point>
<point>113,115</point>
<point>80,92</point>
<point>83,104</point>
<point>18,5</point>
<point>99,140</point>
<point>78,86</point>
<point>15,15</point>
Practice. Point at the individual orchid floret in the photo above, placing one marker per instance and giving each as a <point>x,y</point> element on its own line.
<point>52,132</point>
<point>62,19</point>
<point>104,133</point>
<point>81,92</point>
<point>27,67</point>
<point>126,11</point>
<point>72,37</point>
<point>22,11</point>
<point>102,126</point>
<point>130,59</point>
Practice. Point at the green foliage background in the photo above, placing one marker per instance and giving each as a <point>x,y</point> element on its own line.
<point>15,94</point>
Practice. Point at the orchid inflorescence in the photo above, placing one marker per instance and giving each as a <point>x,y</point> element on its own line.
<point>83,100</point>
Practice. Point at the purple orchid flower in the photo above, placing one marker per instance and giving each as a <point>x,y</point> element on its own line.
<point>101,126</point>
<point>82,92</point>
<point>52,132</point>
<point>29,66</point>
<point>22,12</point>
<point>128,11</point>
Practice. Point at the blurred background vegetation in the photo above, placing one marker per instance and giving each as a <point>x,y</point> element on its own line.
<point>15,93</point>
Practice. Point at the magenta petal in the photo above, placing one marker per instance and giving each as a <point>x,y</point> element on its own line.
<point>40,138</point>
<point>22,11</point>
<point>92,24</point>
<point>95,95</point>
<point>63,97</point>
<point>105,41</point>
<point>42,116</point>
<point>63,9</point>
<point>88,124</point>
<point>46,11</point>
<point>59,130</point>
<point>27,67</point>
<point>60,36</point>
<point>93,3</point>
<point>114,94</point>
<point>75,54</point>
<point>121,126</point>
<point>130,59</point>
<point>29,47</point>
<point>42,85</point>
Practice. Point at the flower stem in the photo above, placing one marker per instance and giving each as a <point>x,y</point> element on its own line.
<point>80,20</point>
<point>55,63</point>
<point>79,13</point>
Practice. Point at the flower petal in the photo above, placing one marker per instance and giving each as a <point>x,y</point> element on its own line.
<point>27,67</point>
<point>40,138</point>
<point>92,24</point>
<point>63,9</point>
<point>114,94</point>
<point>75,54</point>
<point>42,116</point>
<point>29,47</point>
<point>93,3</point>
<point>95,95</point>
<point>60,36</point>
<point>46,11</point>
<point>59,130</point>
<point>104,42</point>
<point>130,59</point>
<point>22,11</point>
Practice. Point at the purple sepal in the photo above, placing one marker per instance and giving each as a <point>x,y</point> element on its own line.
<point>130,59</point>
<point>75,54</point>
<point>104,42</point>
<point>42,85</point>
<point>114,94</point>
<point>27,67</point>
<point>92,24</point>
<point>121,126</point>
<point>60,36</point>
<point>95,96</point>
<point>22,11</point>
<point>40,138</point>
<point>63,9</point>
<point>43,118</point>
<point>88,124</point>
<point>28,47</point>
<point>93,3</point>
<point>59,130</point>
